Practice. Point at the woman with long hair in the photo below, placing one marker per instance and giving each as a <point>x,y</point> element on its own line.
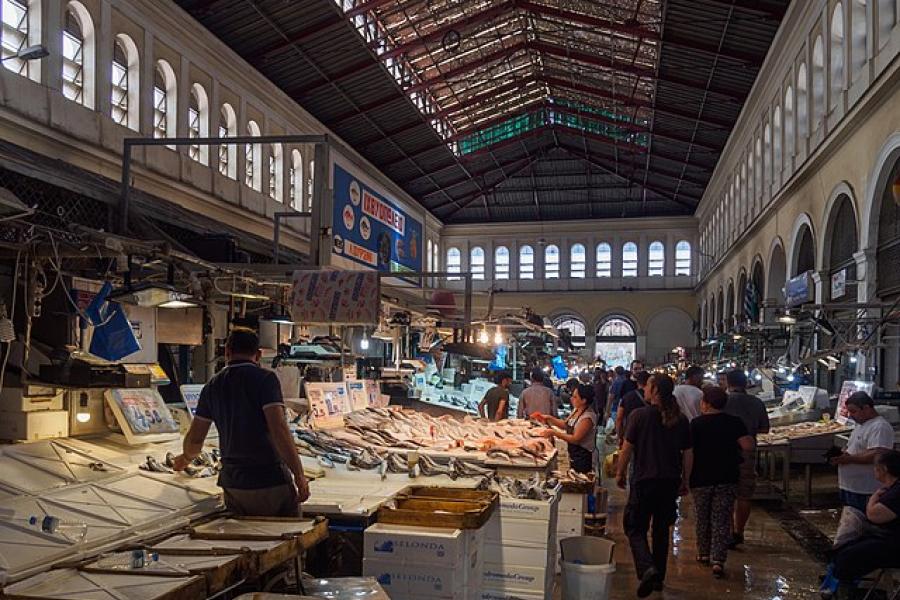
<point>580,429</point>
<point>658,439</point>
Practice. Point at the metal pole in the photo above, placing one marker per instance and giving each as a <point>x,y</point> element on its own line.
<point>125,189</point>
<point>467,303</point>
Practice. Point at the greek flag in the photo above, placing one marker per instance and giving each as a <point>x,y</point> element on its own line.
<point>751,302</point>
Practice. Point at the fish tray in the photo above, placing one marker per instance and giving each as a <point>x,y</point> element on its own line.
<point>571,486</point>
<point>455,514</point>
<point>427,492</point>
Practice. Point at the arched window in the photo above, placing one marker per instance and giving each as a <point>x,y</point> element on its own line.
<point>767,159</point>
<point>574,327</point>
<point>805,253</point>
<point>476,262</point>
<point>164,101</point>
<point>18,33</point>
<point>198,123</point>
<point>551,262</point>
<point>454,262</point>
<point>526,262</point>
<point>501,262</point>
<point>126,83</point>
<point>276,173</point>
<point>604,260</point>
<point>629,260</point>
<point>887,16</point>
<point>788,122</point>
<point>656,259</point>
<point>776,141</point>
<point>859,29</point>
<point>78,55</point>
<point>252,159</point>
<point>837,54</point>
<point>748,200</point>
<point>296,180</point>
<point>802,102</point>
<point>227,152</point>
<point>818,81</point>
<point>683,258</point>
<point>577,261</point>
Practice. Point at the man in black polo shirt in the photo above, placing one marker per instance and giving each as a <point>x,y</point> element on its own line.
<point>261,472</point>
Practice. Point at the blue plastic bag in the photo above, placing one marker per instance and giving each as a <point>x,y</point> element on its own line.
<point>113,337</point>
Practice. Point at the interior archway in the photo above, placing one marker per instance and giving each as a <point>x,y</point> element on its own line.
<point>616,341</point>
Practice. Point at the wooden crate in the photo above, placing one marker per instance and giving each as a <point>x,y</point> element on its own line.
<point>455,514</point>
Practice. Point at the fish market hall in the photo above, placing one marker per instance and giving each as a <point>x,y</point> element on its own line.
<point>449,300</point>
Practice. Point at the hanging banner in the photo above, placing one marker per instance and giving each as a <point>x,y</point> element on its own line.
<point>372,230</point>
<point>838,284</point>
<point>798,290</point>
<point>336,298</point>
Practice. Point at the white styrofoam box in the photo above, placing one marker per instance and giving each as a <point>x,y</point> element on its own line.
<point>488,594</point>
<point>572,504</point>
<point>570,522</point>
<point>398,543</point>
<point>24,399</point>
<point>35,425</point>
<point>516,577</point>
<point>521,531</point>
<point>402,579</point>
<point>519,554</point>
<point>529,509</point>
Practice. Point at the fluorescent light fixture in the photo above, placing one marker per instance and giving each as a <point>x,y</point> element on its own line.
<point>824,363</point>
<point>247,295</point>
<point>786,319</point>
<point>83,414</point>
<point>737,337</point>
<point>152,295</point>
<point>278,315</point>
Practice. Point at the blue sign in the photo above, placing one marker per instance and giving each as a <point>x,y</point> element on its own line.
<point>372,230</point>
<point>798,290</point>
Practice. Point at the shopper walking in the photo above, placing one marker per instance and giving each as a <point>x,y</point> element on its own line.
<point>580,429</point>
<point>658,439</point>
<point>619,387</point>
<point>261,472</point>
<point>536,398</point>
<point>873,434</point>
<point>690,393</point>
<point>631,401</point>
<point>495,404</point>
<point>752,412</point>
<point>719,440</point>
<point>601,390</point>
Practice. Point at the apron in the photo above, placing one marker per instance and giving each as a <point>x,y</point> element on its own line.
<point>582,460</point>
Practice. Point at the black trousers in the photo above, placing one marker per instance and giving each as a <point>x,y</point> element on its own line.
<point>865,555</point>
<point>652,506</point>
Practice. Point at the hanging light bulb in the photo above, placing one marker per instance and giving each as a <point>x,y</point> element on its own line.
<point>790,377</point>
<point>83,414</point>
<point>853,359</point>
<point>483,336</point>
<point>364,342</point>
<point>498,337</point>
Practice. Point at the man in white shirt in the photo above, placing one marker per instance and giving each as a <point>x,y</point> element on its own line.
<point>872,435</point>
<point>690,393</point>
<point>536,398</point>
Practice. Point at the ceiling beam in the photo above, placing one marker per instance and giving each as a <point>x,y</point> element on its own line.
<point>666,194</point>
<point>772,11</point>
<point>296,38</point>
<point>465,67</point>
<point>365,6</point>
<point>464,201</point>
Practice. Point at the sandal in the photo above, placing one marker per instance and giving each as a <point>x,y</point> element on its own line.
<point>718,570</point>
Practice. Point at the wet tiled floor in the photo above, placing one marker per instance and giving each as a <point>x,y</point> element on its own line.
<point>771,565</point>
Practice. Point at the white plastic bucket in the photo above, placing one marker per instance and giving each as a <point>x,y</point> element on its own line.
<point>586,567</point>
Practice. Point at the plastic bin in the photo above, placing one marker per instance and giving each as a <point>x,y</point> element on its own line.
<point>587,568</point>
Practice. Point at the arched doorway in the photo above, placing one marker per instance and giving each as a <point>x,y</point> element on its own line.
<point>841,243</point>
<point>741,294</point>
<point>758,286</point>
<point>777,277</point>
<point>804,258</point>
<point>729,307</point>
<point>887,280</point>
<point>720,312</point>
<point>616,341</point>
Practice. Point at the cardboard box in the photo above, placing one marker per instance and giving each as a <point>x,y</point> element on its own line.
<point>526,556</point>
<point>35,425</point>
<point>569,525</point>
<point>488,594</point>
<point>405,580</point>
<point>23,400</point>
<point>401,543</point>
